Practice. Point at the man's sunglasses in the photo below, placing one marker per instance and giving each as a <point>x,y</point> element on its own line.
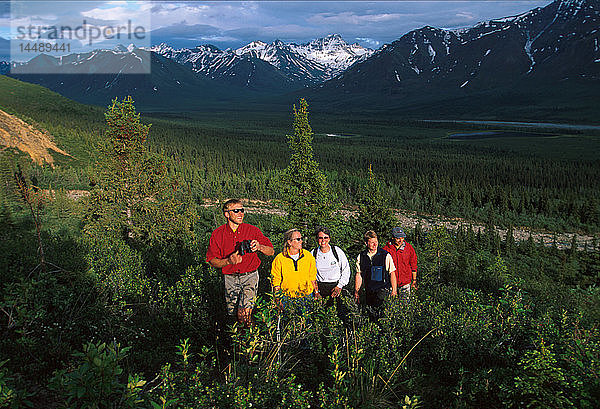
<point>297,238</point>
<point>236,210</point>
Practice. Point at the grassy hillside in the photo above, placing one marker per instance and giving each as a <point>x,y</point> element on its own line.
<point>534,178</point>
<point>75,127</point>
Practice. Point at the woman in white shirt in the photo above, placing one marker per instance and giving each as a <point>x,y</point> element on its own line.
<point>333,270</point>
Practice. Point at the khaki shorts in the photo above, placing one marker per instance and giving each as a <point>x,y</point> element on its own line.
<point>240,291</point>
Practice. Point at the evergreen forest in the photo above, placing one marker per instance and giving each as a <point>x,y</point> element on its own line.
<point>106,300</point>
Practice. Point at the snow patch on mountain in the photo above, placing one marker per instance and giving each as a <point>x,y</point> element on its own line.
<point>431,52</point>
<point>313,62</point>
<point>321,59</point>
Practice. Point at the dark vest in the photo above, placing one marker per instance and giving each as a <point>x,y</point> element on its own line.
<point>373,271</point>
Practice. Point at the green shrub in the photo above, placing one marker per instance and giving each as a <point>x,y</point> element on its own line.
<point>98,381</point>
<point>540,381</point>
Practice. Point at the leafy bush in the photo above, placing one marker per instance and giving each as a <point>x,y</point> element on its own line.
<point>98,380</point>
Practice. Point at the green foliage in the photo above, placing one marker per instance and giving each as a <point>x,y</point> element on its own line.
<point>582,369</point>
<point>305,192</point>
<point>98,380</point>
<point>440,248</point>
<point>7,395</point>
<point>139,220</point>
<point>541,383</point>
<point>194,386</point>
<point>471,339</point>
<point>374,210</point>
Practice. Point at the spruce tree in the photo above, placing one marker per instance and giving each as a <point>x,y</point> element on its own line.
<point>509,242</point>
<point>573,247</point>
<point>305,192</point>
<point>531,247</point>
<point>139,220</point>
<point>440,247</point>
<point>374,210</point>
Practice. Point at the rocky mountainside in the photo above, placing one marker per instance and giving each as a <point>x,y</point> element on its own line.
<point>244,71</point>
<point>278,65</point>
<point>555,43</point>
<point>314,62</point>
<point>15,133</point>
<point>99,76</point>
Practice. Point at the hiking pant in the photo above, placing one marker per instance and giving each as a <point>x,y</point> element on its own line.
<point>374,301</point>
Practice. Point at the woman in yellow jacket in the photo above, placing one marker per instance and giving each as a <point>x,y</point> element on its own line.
<point>294,270</point>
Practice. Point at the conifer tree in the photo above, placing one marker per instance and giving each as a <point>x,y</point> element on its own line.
<point>573,247</point>
<point>374,209</point>
<point>509,242</point>
<point>138,219</point>
<point>439,247</point>
<point>418,233</point>
<point>531,247</point>
<point>304,188</point>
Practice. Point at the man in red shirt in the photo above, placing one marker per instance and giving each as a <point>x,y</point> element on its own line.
<point>232,248</point>
<point>405,260</point>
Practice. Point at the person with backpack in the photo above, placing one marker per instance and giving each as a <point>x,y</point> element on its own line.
<point>375,268</point>
<point>333,270</point>
<point>405,260</point>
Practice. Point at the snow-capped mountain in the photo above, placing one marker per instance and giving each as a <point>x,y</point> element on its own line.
<point>558,42</point>
<point>4,67</point>
<point>124,60</point>
<point>333,52</point>
<point>245,71</point>
<point>292,64</point>
<point>318,60</point>
<point>98,77</point>
<point>549,55</point>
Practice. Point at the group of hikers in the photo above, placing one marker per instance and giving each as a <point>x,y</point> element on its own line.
<point>297,273</point>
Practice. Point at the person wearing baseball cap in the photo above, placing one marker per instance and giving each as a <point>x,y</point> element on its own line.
<point>405,261</point>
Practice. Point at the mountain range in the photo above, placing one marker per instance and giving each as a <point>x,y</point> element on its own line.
<point>279,64</point>
<point>557,42</point>
<point>549,54</point>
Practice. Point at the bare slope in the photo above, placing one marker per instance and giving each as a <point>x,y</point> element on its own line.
<point>15,133</point>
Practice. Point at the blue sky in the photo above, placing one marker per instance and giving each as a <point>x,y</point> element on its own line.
<point>234,24</point>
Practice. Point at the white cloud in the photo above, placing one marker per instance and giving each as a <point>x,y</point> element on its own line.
<point>216,38</point>
<point>349,17</point>
<point>369,42</point>
<point>466,15</point>
<point>300,21</point>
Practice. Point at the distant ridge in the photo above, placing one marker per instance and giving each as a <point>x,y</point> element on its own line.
<point>535,52</point>
<point>277,66</point>
<point>84,78</point>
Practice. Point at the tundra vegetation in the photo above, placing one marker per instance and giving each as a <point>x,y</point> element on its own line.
<point>106,301</point>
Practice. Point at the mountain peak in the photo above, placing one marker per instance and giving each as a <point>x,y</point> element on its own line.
<point>574,5</point>
<point>161,48</point>
<point>572,2</point>
<point>330,40</point>
<point>207,48</point>
<point>120,48</point>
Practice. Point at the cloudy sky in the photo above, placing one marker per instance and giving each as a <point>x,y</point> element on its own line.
<point>234,24</point>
